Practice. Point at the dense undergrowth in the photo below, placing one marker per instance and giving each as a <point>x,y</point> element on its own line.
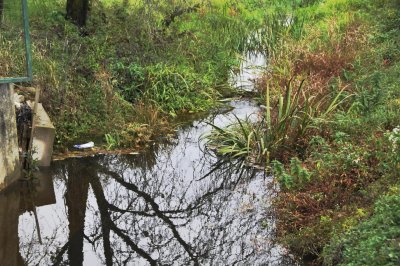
<point>135,65</point>
<point>353,159</point>
<point>330,133</point>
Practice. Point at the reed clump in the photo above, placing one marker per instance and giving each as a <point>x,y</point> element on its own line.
<point>289,118</point>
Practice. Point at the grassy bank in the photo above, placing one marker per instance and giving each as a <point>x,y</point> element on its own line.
<point>350,159</point>
<point>135,66</point>
<point>330,133</point>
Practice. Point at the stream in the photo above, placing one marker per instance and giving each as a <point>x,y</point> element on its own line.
<point>174,204</point>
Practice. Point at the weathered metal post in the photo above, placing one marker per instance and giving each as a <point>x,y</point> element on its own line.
<point>9,156</point>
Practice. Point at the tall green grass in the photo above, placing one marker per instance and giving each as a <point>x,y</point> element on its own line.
<point>12,42</point>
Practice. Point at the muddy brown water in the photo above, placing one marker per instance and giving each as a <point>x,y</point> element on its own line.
<point>173,204</point>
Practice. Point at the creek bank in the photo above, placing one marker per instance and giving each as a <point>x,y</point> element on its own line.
<point>333,192</point>
<point>241,86</point>
<point>181,204</point>
<point>163,136</point>
<point>174,202</point>
<point>116,69</point>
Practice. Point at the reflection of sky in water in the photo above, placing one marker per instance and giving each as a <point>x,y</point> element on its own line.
<point>220,218</point>
<point>252,66</point>
<point>176,203</point>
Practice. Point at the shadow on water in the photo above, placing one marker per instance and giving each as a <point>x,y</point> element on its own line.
<point>9,212</point>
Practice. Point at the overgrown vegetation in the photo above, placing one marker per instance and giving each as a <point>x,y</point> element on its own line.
<point>281,131</point>
<point>170,56</point>
<point>330,132</point>
<point>350,161</point>
<point>337,156</point>
<point>374,241</point>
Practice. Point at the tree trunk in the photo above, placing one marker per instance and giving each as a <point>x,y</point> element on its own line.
<point>77,11</point>
<point>1,10</point>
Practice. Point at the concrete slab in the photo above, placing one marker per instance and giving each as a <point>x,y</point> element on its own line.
<point>9,156</point>
<point>43,136</point>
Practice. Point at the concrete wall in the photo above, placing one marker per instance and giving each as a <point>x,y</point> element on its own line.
<point>9,158</point>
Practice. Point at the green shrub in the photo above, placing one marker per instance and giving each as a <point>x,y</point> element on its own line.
<point>375,241</point>
<point>240,140</point>
<point>296,177</point>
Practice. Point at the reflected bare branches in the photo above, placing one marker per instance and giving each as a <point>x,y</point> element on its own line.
<point>144,215</point>
<point>174,204</point>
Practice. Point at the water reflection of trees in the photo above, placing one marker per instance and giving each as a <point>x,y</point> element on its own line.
<point>172,205</point>
<point>160,215</point>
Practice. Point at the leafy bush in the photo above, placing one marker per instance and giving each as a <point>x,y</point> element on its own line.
<point>173,89</point>
<point>295,178</point>
<point>375,241</point>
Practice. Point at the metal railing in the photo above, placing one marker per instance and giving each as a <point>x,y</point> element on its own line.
<point>27,45</point>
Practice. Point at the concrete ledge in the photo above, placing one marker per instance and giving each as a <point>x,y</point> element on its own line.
<point>43,136</point>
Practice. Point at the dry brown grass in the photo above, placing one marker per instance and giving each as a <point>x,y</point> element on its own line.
<point>147,124</point>
<point>326,61</point>
<point>329,61</point>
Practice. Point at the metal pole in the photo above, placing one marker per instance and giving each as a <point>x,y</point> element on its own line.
<point>27,40</point>
<point>28,55</point>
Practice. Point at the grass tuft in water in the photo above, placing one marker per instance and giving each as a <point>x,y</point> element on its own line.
<point>288,120</point>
